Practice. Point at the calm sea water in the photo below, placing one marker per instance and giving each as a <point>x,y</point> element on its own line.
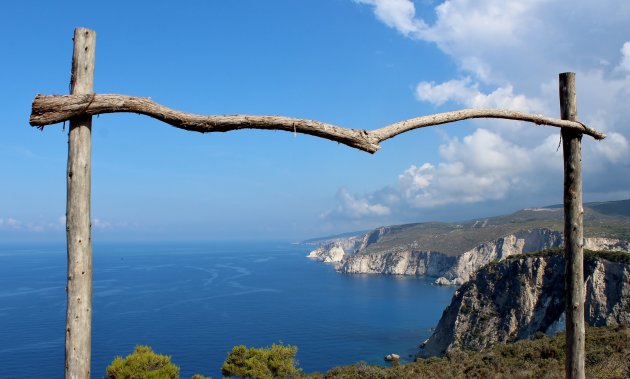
<point>196,301</point>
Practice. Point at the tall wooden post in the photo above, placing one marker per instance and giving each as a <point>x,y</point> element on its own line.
<point>78,227</point>
<point>573,231</point>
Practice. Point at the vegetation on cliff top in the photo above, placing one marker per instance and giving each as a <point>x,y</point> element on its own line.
<point>589,255</point>
<point>143,363</point>
<point>278,361</point>
<point>607,352</point>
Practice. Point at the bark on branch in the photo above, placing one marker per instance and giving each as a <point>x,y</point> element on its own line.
<point>443,118</point>
<point>52,109</point>
<point>57,108</point>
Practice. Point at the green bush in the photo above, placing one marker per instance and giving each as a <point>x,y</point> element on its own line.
<point>143,363</point>
<point>277,361</point>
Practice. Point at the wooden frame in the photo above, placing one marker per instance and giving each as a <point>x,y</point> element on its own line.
<point>82,104</point>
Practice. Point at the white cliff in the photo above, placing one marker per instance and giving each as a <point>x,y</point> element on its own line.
<point>401,262</point>
<point>329,254</point>
<point>349,254</point>
<point>335,251</point>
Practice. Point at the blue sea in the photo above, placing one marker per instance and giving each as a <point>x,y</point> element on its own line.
<point>195,301</point>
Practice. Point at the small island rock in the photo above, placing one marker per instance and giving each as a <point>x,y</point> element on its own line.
<point>392,357</point>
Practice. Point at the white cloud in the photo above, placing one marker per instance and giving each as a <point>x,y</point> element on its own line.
<point>463,29</point>
<point>509,54</point>
<point>29,226</point>
<point>494,39</point>
<point>481,168</point>
<point>37,228</point>
<point>466,92</point>
<point>484,151</point>
<point>415,179</point>
<point>13,223</point>
<point>624,65</point>
<point>456,89</point>
<point>349,206</point>
<point>101,224</point>
<point>397,14</point>
<point>44,226</point>
<point>615,149</point>
<point>478,168</point>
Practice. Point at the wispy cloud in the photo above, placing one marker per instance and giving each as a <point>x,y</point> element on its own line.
<point>13,223</point>
<point>98,223</point>
<point>40,226</point>
<point>352,207</point>
<point>397,14</point>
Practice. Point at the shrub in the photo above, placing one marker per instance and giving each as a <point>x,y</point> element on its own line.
<point>143,363</point>
<point>277,361</point>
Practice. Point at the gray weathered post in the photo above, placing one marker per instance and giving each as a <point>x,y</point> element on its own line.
<point>78,228</point>
<point>573,231</point>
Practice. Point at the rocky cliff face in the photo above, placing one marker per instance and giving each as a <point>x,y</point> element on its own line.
<point>349,257</point>
<point>525,241</point>
<point>335,251</point>
<point>401,262</point>
<point>524,295</point>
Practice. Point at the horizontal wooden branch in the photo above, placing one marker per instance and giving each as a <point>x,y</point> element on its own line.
<point>58,108</point>
<point>464,114</point>
<point>52,109</point>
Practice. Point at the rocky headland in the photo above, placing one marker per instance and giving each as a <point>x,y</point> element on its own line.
<point>524,295</point>
<point>453,252</point>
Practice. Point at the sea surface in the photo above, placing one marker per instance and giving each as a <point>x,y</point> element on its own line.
<point>195,301</point>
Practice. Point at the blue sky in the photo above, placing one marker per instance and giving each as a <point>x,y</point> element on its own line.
<point>358,64</point>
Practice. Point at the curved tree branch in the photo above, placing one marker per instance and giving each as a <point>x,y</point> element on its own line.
<point>57,108</point>
<point>51,109</point>
<point>393,130</point>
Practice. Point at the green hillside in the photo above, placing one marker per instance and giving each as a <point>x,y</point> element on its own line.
<point>603,219</point>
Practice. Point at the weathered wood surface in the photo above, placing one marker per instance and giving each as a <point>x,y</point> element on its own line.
<point>51,109</point>
<point>573,232</point>
<point>464,114</point>
<point>78,229</point>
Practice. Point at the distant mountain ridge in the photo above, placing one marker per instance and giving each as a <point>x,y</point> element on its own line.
<point>452,252</point>
<point>328,239</point>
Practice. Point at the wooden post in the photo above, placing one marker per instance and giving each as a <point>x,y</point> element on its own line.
<point>78,227</point>
<point>573,231</point>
